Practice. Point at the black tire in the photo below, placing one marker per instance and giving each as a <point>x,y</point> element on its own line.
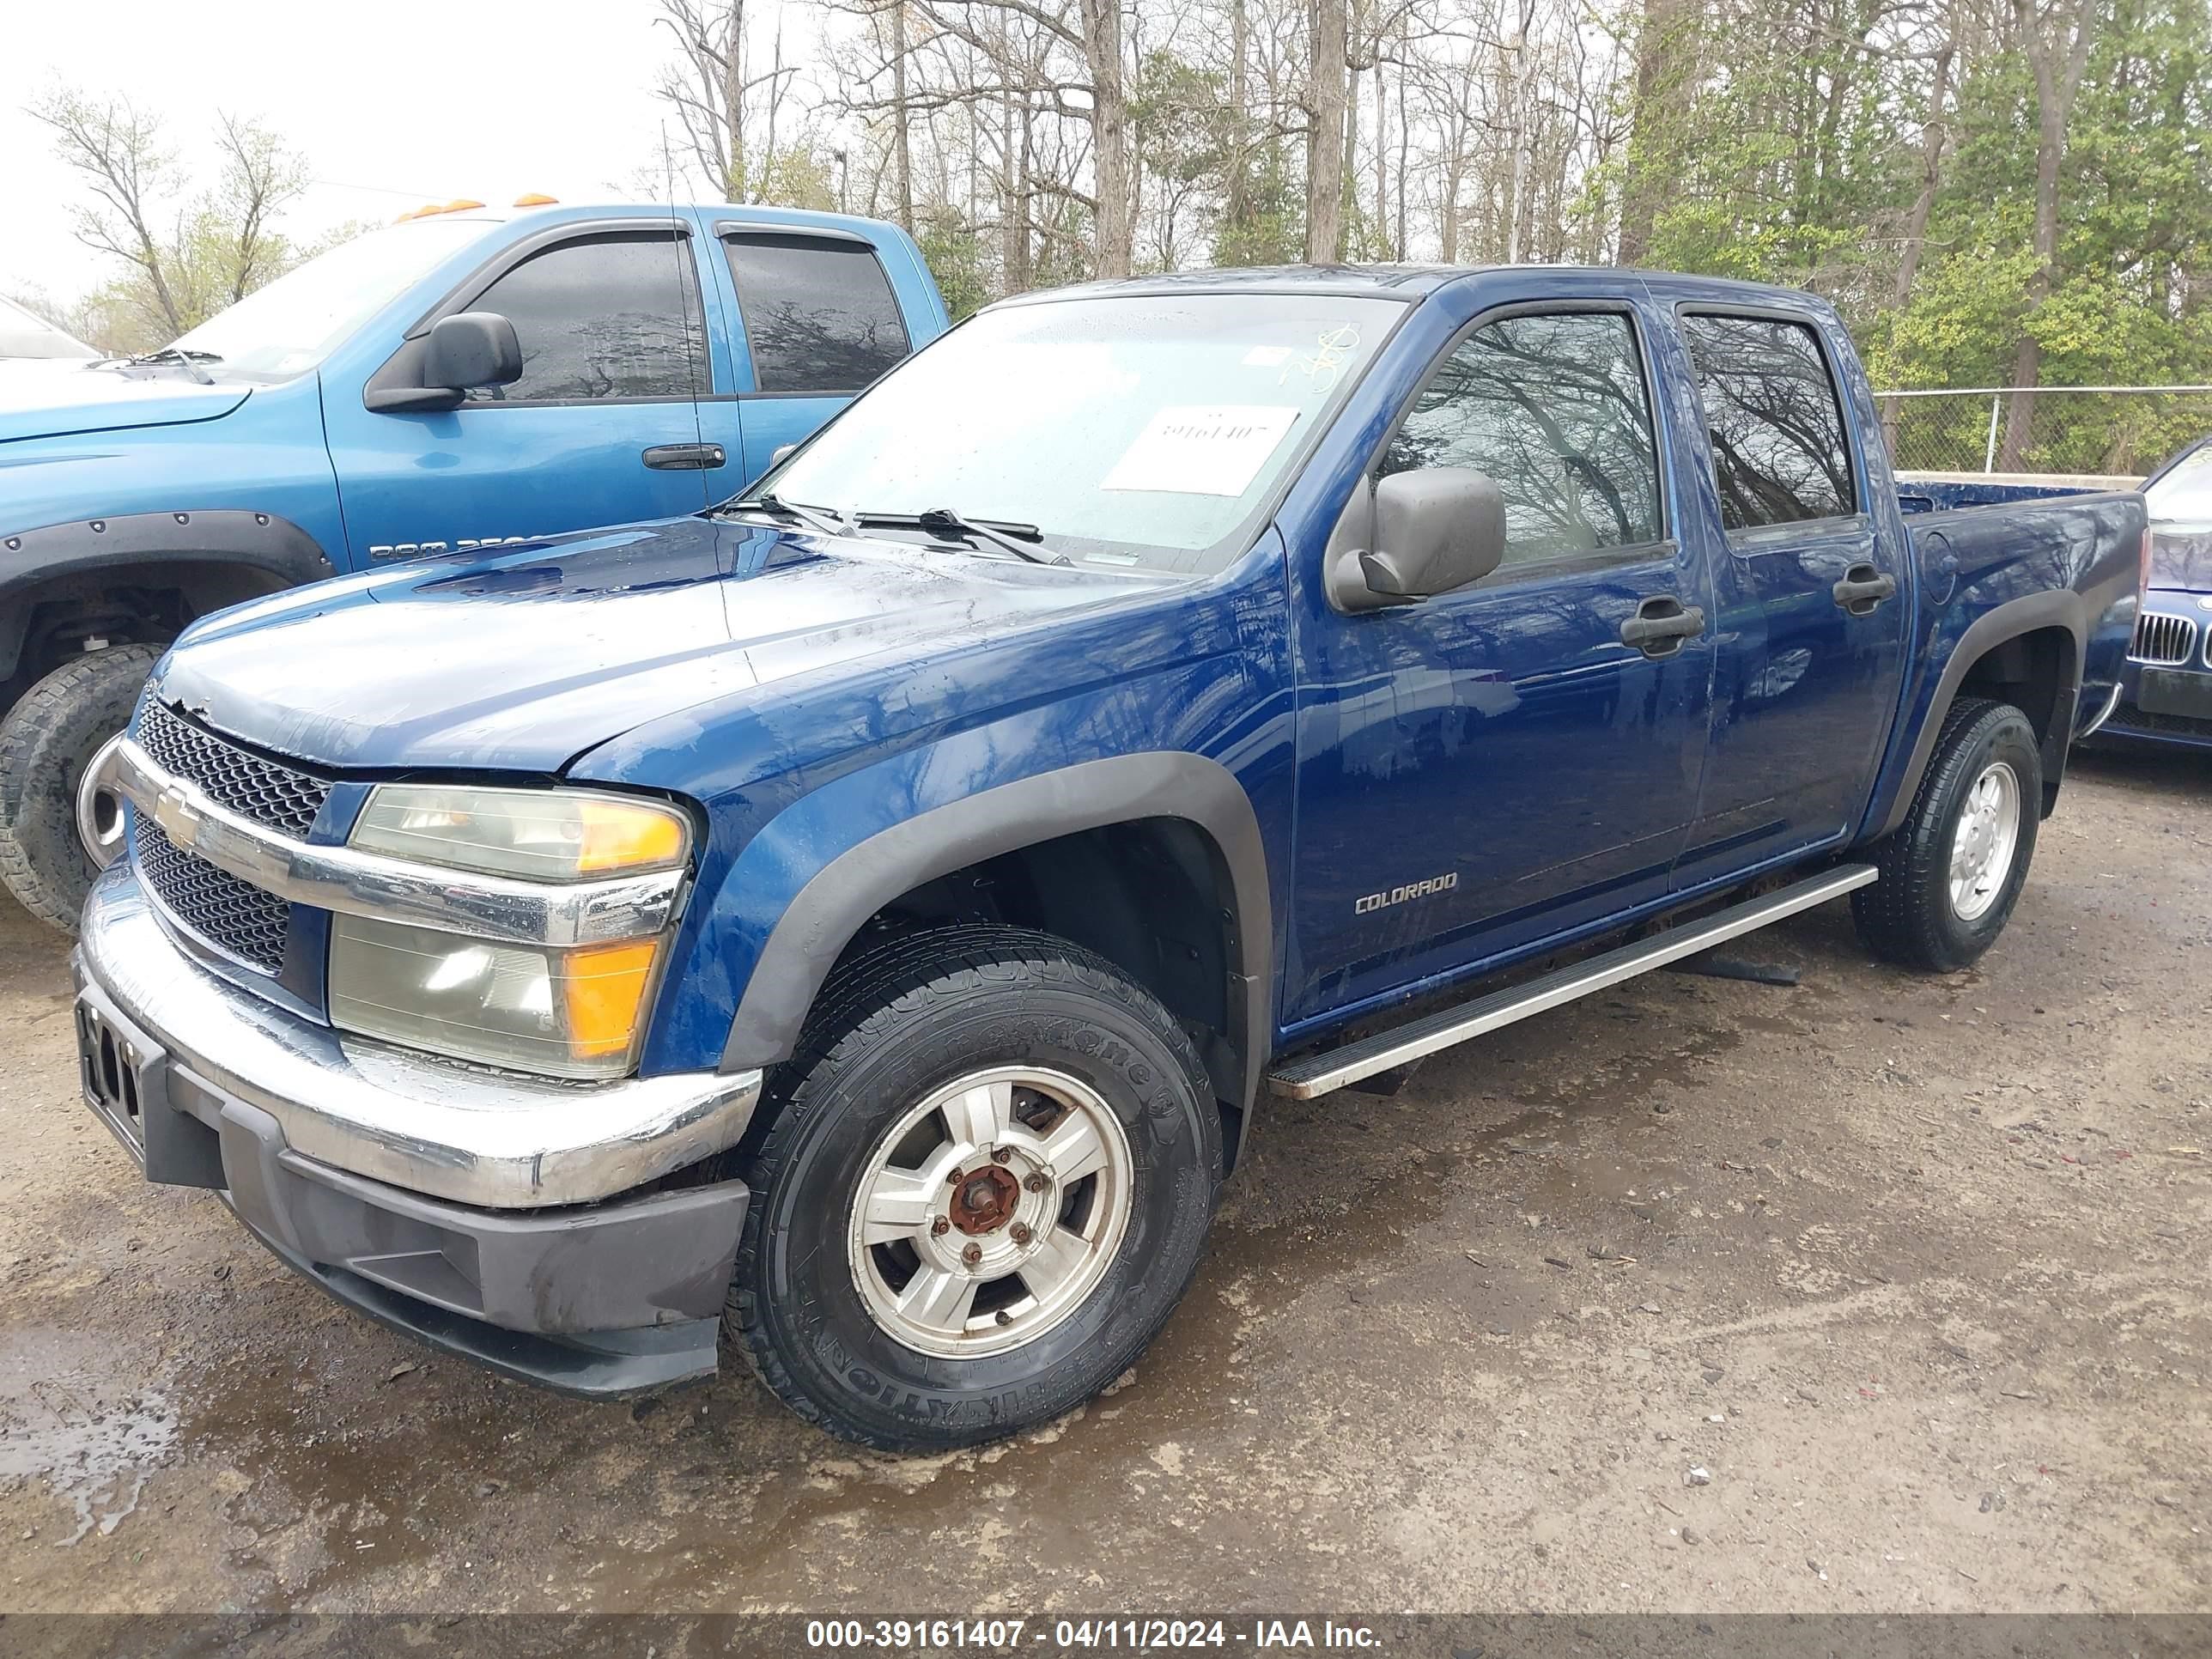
<point>900,1022</point>
<point>46,743</point>
<point>1907,916</point>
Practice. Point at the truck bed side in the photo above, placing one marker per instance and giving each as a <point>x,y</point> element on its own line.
<point>2029,600</point>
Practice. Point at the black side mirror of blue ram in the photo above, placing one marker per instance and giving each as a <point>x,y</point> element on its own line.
<point>471,348</point>
<point>465,351</point>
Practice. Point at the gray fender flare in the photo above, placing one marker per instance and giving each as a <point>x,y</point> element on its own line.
<point>90,549</point>
<point>2061,608</point>
<point>828,911</point>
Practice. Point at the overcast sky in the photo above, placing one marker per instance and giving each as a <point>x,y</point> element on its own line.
<point>394,104</point>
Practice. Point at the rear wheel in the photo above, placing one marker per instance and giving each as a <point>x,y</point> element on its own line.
<point>983,1184</point>
<point>1954,868</point>
<point>47,741</point>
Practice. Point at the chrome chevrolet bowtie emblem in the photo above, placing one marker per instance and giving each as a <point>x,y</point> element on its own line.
<point>178,819</point>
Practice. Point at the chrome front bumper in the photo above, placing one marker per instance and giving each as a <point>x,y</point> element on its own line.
<point>495,1140</point>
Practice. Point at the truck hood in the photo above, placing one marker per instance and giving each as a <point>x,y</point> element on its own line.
<point>53,400</point>
<point>527,660</point>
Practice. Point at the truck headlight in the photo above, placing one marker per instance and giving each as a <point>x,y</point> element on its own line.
<point>537,834</point>
<point>571,1013</point>
<point>574,1011</point>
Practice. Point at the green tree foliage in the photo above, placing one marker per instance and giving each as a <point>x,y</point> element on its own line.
<point>1789,141</point>
<point>2124,301</point>
<point>954,255</point>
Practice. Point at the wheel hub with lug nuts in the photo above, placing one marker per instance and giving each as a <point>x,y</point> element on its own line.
<point>989,1211</point>
<point>1982,844</point>
<point>982,1202</point>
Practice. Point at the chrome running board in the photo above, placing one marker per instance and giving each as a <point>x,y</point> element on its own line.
<point>1322,1073</point>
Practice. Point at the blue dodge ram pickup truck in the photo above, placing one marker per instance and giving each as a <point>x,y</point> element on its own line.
<point>465,379</point>
<point>856,927</point>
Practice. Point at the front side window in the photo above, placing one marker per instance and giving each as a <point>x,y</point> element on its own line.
<point>819,315</point>
<point>1779,454</point>
<point>612,316</point>
<point>1553,408</point>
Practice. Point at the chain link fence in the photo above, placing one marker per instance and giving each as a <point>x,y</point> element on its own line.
<point>2104,431</point>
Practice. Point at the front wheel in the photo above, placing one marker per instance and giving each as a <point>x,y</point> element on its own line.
<point>1954,868</point>
<point>47,742</point>
<point>984,1183</point>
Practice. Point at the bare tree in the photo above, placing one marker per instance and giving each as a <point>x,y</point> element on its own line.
<point>259,178</point>
<point>2057,39</point>
<point>116,149</point>
<point>1109,136</point>
<point>187,254</point>
<point>718,101</point>
<point>1326,98</point>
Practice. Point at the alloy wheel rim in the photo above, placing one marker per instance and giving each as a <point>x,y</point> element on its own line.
<point>1984,840</point>
<point>990,1210</point>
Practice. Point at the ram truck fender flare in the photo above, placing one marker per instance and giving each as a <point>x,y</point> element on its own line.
<point>240,538</point>
<point>2029,614</point>
<point>826,913</point>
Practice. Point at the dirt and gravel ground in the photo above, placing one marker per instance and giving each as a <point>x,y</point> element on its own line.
<point>1880,1293</point>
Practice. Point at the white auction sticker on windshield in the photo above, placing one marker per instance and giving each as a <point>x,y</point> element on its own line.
<point>1202,449</point>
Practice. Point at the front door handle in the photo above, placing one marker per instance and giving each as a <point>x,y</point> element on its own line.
<point>1863,588</point>
<point>1660,625</point>
<point>685,458</point>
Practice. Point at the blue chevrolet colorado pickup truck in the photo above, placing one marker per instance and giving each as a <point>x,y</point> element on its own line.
<point>856,927</point>
<point>465,380</point>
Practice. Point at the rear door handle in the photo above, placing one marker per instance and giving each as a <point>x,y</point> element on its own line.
<point>685,458</point>
<point>1863,588</point>
<point>1660,625</point>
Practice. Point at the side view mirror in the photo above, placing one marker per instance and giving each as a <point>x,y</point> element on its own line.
<point>1422,532</point>
<point>467,349</point>
<point>471,348</point>
<point>780,453</point>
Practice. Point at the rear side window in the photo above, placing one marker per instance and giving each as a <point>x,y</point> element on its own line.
<point>818,315</point>
<point>612,316</point>
<point>1779,455</point>
<point>1553,408</point>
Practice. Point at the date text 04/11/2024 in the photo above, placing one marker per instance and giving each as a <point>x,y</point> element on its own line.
<point>1009,1634</point>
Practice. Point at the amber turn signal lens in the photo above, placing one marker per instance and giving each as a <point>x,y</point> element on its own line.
<point>621,837</point>
<point>603,987</point>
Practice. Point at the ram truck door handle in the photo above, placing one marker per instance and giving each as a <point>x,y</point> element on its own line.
<point>1863,588</point>
<point>1660,626</point>
<point>685,458</point>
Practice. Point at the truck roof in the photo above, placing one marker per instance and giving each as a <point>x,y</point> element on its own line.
<point>556,212</point>
<point>1407,282</point>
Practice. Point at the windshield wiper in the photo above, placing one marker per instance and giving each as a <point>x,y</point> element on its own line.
<point>821,518</point>
<point>942,521</point>
<point>191,361</point>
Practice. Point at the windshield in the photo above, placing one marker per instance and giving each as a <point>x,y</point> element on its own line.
<point>23,335</point>
<point>2184,494</point>
<point>1141,430</point>
<point>289,327</point>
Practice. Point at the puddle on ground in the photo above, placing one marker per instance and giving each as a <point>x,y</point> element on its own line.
<point>61,1424</point>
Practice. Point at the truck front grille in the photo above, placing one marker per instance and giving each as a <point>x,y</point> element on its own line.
<point>2163,638</point>
<point>283,798</point>
<point>234,916</point>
